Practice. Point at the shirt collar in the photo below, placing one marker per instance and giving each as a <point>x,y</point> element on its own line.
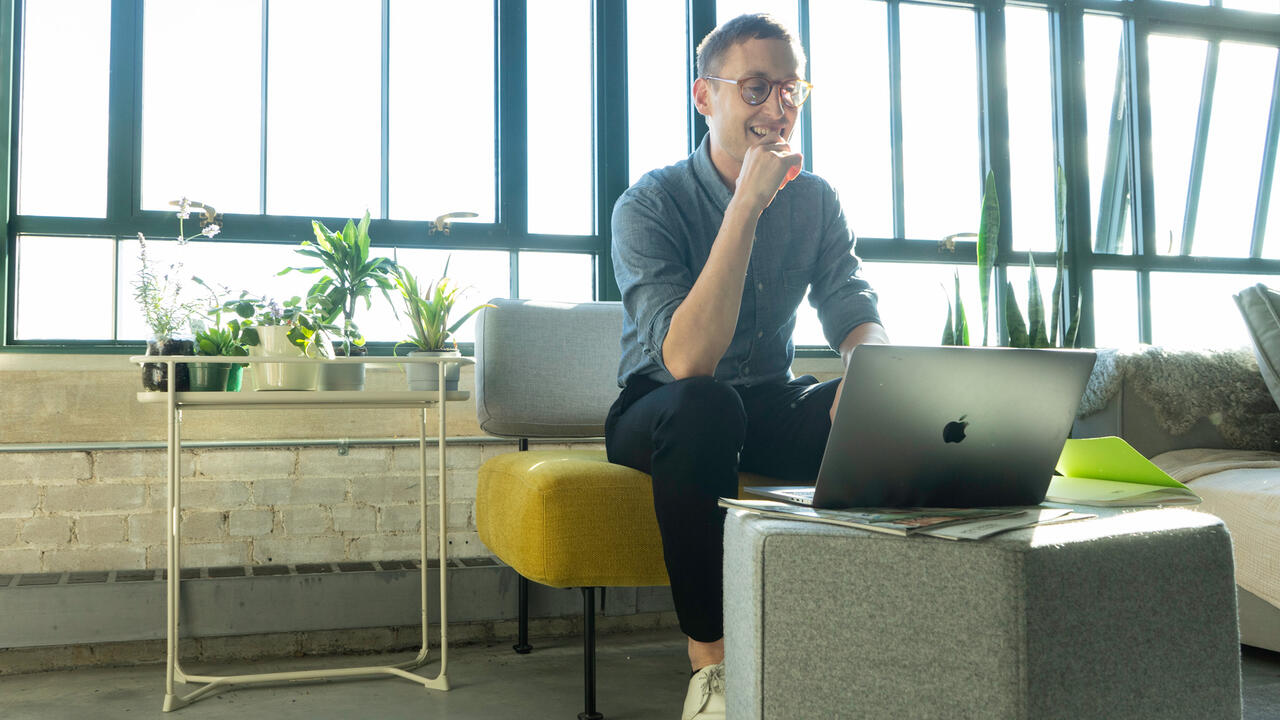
<point>707,175</point>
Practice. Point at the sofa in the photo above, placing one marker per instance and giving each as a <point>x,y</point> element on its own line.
<point>1210,419</point>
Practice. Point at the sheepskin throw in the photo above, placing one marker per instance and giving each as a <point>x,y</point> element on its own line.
<point>1183,386</point>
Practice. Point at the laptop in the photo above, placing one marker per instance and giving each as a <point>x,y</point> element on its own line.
<point>946,427</point>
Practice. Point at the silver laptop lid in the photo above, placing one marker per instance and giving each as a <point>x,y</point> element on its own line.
<point>950,426</point>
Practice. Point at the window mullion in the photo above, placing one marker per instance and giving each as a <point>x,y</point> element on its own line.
<point>1202,140</point>
<point>1135,31</point>
<point>894,24</point>
<point>701,20</point>
<point>511,68</point>
<point>384,172</point>
<point>611,130</point>
<point>8,168</point>
<point>262,125</point>
<point>1268,169</point>
<point>124,158</point>
<point>1071,121</point>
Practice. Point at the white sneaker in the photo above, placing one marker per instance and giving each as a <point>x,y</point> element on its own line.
<point>705,700</point>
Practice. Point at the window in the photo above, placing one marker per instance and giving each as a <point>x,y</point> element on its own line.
<point>657,79</point>
<point>1115,304</point>
<point>1106,75</point>
<point>1177,73</point>
<point>62,150</point>
<point>441,153</point>
<point>940,149</point>
<point>42,306</point>
<point>560,110</point>
<point>1191,309</point>
<point>1031,149</point>
<point>1163,113</point>
<point>202,111</point>
<point>851,109</point>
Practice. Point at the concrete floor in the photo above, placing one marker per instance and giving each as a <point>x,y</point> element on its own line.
<point>640,676</point>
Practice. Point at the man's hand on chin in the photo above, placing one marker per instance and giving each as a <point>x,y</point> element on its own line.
<point>767,168</point>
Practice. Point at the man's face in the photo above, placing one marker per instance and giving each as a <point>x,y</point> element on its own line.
<point>732,123</point>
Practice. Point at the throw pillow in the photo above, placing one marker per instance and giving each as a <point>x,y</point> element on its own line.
<point>1260,306</point>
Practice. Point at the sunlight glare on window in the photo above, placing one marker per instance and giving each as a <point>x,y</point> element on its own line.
<point>940,150</point>
<point>442,150</point>
<point>220,264</point>
<point>1262,6</point>
<point>913,300</point>
<point>1233,154</point>
<point>1032,161</point>
<point>851,125</point>
<point>786,11</point>
<point>657,85</point>
<point>1177,70</point>
<point>62,140</point>
<point>1196,310</point>
<point>47,267</point>
<point>561,142</point>
<point>1115,308</point>
<point>561,277</point>
<point>202,111</point>
<point>481,274</point>
<point>323,122</point>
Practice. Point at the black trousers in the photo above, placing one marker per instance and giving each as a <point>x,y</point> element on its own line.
<point>693,436</point>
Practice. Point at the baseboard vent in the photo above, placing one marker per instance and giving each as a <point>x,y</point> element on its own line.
<point>87,607</point>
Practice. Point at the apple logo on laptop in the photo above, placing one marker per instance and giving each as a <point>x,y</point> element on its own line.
<point>953,432</point>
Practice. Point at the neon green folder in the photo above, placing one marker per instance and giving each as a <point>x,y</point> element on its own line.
<point>1108,471</point>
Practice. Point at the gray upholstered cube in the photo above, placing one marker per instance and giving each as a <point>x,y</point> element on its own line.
<point>1126,616</point>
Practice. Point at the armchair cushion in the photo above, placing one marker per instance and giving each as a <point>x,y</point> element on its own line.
<point>570,518</point>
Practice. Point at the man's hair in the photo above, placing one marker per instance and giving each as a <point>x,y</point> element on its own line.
<point>758,26</point>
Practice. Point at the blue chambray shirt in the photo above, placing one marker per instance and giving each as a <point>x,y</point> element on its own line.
<point>663,229</point>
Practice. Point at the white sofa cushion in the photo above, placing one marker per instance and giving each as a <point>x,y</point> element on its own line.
<point>1242,487</point>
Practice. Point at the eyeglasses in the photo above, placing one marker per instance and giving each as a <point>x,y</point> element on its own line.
<point>755,90</point>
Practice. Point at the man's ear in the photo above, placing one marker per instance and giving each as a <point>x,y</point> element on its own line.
<point>702,96</point>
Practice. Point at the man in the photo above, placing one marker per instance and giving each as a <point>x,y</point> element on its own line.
<point>713,256</point>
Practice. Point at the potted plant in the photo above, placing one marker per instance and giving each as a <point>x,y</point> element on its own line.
<point>429,312</point>
<point>348,275</point>
<point>273,329</point>
<point>1036,333</point>
<point>159,295</point>
<point>217,339</point>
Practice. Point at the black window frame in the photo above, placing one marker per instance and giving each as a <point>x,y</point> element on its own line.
<point>1127,197</point>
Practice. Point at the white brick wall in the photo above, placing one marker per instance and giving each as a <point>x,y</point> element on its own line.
<point>104,510</point>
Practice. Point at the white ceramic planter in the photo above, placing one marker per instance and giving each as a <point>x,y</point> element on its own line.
<point>273,341</point>
<point>426,376</point>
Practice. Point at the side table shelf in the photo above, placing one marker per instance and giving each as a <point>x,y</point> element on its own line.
<point>177,402</point>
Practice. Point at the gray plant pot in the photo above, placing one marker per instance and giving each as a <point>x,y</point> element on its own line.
<point>341,376</point>
<point>425,377</point>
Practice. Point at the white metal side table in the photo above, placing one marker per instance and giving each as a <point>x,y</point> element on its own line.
<point>176,402</point>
